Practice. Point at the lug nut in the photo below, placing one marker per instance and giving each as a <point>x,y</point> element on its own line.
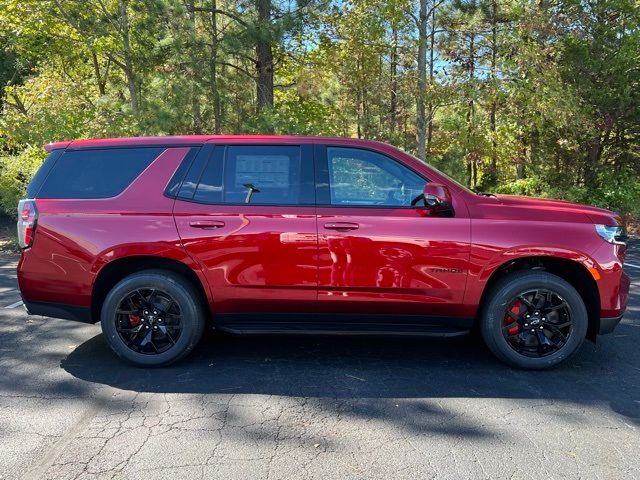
<point>526,324</point>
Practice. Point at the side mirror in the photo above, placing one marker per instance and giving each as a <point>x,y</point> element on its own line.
<point>436,199</point>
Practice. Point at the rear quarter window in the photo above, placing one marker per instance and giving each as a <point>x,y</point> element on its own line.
<point>100,173</point>
<point>38,179</point>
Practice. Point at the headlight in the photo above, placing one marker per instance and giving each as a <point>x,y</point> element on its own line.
<point>612,234</point>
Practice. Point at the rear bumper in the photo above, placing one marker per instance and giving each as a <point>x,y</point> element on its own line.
<point>607,325</point>
<point>59,310</point>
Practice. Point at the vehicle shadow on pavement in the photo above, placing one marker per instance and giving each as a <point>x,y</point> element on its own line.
<point>370,369</point>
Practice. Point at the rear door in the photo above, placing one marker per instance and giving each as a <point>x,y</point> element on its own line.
<point>247,214</point>
<point>377,253</point>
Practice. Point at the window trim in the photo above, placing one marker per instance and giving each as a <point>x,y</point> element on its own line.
<point>306,152</point>
<point>323,188</point>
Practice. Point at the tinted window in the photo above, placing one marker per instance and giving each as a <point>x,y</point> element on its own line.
<point>176,181</point>
<point>96,173</point>
<point>363,177</point>
<point>262,175</point>
<point>42,173</point>
<point>210,184</point>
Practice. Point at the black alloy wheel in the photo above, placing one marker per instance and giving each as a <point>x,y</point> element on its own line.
<point>148,321</point>
<point>537,323</point>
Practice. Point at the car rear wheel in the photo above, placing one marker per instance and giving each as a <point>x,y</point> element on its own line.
<point>153,318</point>
<point>533,320</point>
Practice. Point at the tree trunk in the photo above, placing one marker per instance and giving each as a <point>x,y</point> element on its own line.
<point>213,71</point>
<point>100,80</point>
<point>471,153</point>
<point>196,111</point>
<point>393,109</point>
<point>594,154</point>
<point>264,56</point>
<point>421,124</point>
<point>493,168</point>
<point>431,108</point>
<point>128,62</point>
<point>520,161</point>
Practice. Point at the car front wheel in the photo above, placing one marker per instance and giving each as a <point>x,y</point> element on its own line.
<point>533,320</point>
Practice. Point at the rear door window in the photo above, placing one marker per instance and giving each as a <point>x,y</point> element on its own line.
<point>99,173</point>
<point>258,175</point>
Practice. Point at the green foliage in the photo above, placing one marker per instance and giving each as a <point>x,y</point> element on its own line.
<point>522,97</point>
<point>532,187</point>
<point>15,174</point>
<point>618,191</point>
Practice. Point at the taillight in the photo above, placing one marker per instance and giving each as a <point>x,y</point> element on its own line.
<point>27,219</point>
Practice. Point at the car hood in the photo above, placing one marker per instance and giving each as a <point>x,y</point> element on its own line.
<point>592,214</point>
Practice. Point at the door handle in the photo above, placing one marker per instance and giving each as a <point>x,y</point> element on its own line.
<point>207,224</point>
<point>341,226</point>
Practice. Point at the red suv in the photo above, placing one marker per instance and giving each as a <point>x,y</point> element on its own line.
<point>157,238</point>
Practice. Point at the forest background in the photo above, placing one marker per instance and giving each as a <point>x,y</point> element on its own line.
<point>530,97</point>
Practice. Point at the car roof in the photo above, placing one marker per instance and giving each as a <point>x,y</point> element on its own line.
<point>194,140</point>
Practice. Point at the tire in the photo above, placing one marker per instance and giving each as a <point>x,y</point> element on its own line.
<point>495,314</point>
<point>175,343</point>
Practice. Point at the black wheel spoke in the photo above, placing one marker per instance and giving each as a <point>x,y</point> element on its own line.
<point>524,300</point>
<point>556,331</point>
<point>539,300</point>
<point>128,330</point>
<point>510,325</point>
<point>151,298</point>
<point>559,325</point>
<point>131,304</point>
<point>165,331</point>
<point>168,309</point>
<point>511,335</point>
<point>513,315</point>
<point>556,307</point>
<point>133,339</point>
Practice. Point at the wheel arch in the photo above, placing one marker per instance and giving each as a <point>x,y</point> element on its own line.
<point>112,272</point>
<point>573,271</point>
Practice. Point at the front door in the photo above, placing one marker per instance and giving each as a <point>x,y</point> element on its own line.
<point>377,253</point>
<point>246,213</point>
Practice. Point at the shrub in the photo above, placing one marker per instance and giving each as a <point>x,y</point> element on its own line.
<point>16,172</point>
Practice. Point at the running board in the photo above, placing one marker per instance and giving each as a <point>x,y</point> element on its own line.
<point>241,328</point>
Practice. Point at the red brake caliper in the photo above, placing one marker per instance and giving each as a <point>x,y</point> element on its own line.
<point>134,320</point>
<point>515,309</point>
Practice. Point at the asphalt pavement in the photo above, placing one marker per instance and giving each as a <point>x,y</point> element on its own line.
<point>301,407</point>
